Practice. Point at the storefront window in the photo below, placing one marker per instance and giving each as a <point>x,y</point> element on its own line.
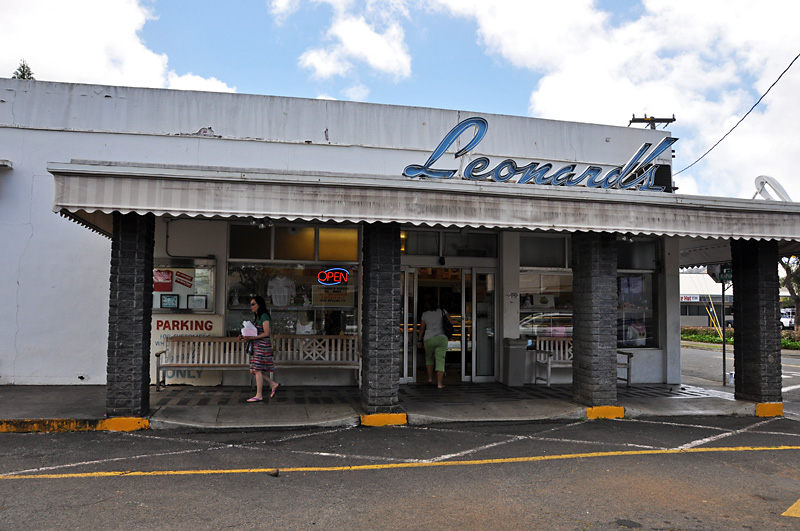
<point>294,243</point>
<point>250,241</point>
<point>542,251</point>
<point>425,243</point>
<point>546,307</point>
<point>254,241</point>
<point>545,304</point>
<point>338,244</point>
<point>448,243</point>
<point>302,300</point>
<point>468,243</point>
<point>637,325</point>
<point>637,254</point>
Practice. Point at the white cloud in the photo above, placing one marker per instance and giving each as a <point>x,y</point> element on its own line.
<point>91,41</point>
<point>192,82</point>
<point>374,38</point>
<point>339,6</point>
<point>282,9</point>
<point>706,62</point>
<point>325,63</point>
<point>357,92</point>
<point>385,52</point>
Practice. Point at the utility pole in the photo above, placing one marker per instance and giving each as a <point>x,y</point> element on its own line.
<point>725,276</point>
<point>652,121</point>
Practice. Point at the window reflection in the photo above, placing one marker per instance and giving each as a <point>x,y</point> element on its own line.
<point>545,304</point>
<point>637,325</point>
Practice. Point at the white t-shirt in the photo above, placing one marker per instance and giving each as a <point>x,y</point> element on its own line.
<point>304,329</point>
<point>281,290</point>
<point>433,324</point>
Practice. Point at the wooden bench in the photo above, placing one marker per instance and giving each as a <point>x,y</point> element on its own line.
<point>228,353</point>
<point>556,352</point>
<point>626,365</point>
<point>550,353</point>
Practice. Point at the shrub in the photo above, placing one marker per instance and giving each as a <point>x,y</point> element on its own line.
<point>704,335</point>
<point>709,335</point>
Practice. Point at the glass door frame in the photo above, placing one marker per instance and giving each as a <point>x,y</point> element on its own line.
<point>409,325</point>
<point>474,272</point>
<point>468,347</point>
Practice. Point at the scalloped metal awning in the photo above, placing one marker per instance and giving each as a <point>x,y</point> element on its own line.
<point>89,192</point>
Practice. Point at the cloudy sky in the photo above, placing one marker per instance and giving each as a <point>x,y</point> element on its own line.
<point>706,62</point>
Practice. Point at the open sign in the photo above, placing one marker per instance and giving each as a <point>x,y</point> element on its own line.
<point>333,276</point>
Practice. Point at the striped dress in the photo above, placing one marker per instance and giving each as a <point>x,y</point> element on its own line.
<point>262,359</point>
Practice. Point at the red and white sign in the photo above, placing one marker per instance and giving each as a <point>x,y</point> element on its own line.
<point>162,280</point>
<point>184,279</point>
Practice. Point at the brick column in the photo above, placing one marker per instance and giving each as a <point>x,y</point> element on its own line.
<point>381,314</point>
<point>594,321</point>
<point>129,313</point>
<point>756,319</point>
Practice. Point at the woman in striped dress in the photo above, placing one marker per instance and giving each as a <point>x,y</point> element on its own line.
<point>261,360</point>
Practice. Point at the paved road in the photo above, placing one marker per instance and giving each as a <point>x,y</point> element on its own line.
<point>677,473</point>
<point>703,367</point>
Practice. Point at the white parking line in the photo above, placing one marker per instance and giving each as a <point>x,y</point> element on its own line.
<point>110,460</point>
<point>473,450</point>
<point>707,440</point>
<point>356,456</point>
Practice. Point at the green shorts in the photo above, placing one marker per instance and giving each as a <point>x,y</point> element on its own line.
<point>435,350</point>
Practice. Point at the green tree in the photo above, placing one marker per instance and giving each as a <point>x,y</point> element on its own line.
<point>23,72</point>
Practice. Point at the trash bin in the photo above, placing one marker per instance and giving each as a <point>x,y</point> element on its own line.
<point>514,353</point>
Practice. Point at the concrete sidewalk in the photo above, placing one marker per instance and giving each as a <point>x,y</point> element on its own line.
<point>68,408</point>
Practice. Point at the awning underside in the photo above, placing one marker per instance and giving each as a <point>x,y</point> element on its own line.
<point>90,192</point>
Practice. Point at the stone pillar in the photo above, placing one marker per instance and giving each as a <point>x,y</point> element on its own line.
<point>381,314</point>
<point>756,319</point>
<point>129,315</point>
<point>594,319</point>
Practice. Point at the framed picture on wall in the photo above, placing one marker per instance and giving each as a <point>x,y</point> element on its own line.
<point>169,301</point>
<point>197,302</point>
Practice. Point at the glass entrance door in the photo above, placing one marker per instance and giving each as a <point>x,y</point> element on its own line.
<point>469,297</point>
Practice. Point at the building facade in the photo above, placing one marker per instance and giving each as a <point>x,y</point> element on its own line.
<point>348,218</point>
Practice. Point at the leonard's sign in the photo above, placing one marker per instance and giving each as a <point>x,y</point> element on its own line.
<point>637,174</point>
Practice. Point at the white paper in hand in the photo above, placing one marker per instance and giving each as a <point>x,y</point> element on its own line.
<point>249,329</point>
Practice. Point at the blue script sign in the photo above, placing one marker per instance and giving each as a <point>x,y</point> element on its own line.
<point>638,173</point>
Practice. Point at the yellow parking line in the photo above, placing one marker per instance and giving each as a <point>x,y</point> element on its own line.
<point>385,466</point>
<point>794,510</point>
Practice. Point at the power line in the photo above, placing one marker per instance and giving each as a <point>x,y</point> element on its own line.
<point>742,118</point>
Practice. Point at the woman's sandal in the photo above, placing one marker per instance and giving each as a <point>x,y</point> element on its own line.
<point>274,389</point>
<point>255,399</point>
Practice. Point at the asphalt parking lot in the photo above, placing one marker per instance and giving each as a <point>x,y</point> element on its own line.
<point>706,473</point>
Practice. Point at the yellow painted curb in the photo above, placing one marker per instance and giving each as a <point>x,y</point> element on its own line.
<point>64,425</point>
<point>769,409</point>
<point>384,419</point>
<point>605,412</point>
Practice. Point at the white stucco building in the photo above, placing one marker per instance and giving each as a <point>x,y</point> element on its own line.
<point>272,196</point>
